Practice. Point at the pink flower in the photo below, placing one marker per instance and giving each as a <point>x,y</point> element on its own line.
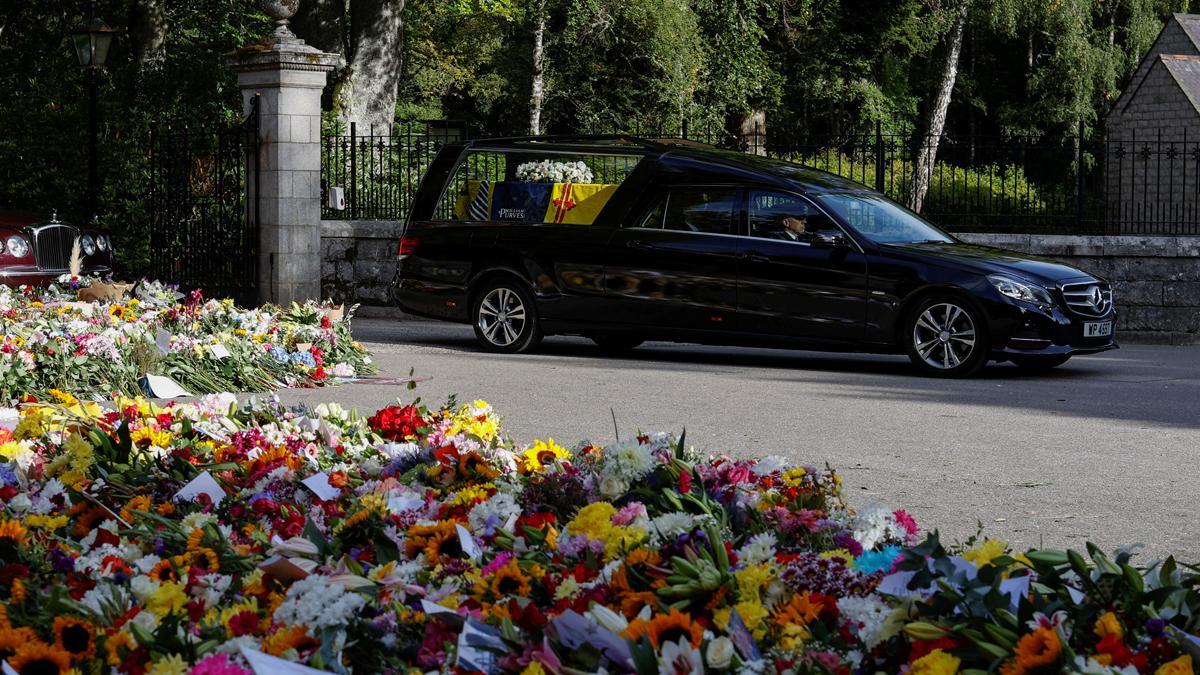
<point>629,513</point>
<point>905,520</point>
<point>218,664</point>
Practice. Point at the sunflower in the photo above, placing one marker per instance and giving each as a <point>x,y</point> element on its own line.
<point>164,570</point>
<point>74,636</point>
<point>436,540</point>
<point>12,639</point>
<point>1034,650</point>
<point>38,658</point>
<point>510,581</point>
<point>12,532</point>
<point>292,637</point>
<point>666,628</point>
<point>87,519</point>
<point>113,644</point>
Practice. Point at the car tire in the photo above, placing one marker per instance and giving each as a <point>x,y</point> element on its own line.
<point>945,336</point>
<point>505,318</point>
<point>616,343</point>
<point>1039,364</point>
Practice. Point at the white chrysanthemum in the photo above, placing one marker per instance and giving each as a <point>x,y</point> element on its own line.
<point>771,464</point>
<point>866,616</point>
<point>628,460</point>
<point>317,603</point>
<point>670,525</point>
<point>875,524</point>
<point>493,512</point>
<point>759,549</point>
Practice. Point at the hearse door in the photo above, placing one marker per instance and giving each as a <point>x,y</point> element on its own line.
<point>674,269</point>
<point>800,275</point>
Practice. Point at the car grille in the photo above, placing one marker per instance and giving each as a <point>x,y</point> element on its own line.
<point>1089,298</point>
<point>52,246</point>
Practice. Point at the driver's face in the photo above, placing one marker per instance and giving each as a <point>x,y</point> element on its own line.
<point>795,224</point>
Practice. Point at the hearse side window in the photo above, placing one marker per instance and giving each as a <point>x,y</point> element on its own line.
<point>778,215</point>
<point>526,186</point>
<point>709,210</point>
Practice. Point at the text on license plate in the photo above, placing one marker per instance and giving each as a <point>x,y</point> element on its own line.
<point>1093,329</point>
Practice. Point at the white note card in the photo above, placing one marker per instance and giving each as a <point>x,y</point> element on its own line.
<point>319,484</point>
<point>204,484</point>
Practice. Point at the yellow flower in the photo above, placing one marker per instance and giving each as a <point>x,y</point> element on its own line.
<point>168,599</point>
<point>150,435</point>
<point>32,425</point>
<point>794,477</point>
<point>472,494</point>
<point>936,662</point>
<point>593,520</point>
<point>534,668</point>
<point>986,552</point>
<point>543,453</point>
<point>753,615</point>
<point>1180,666</point>
<point>839,553</point>
<point>17,451</point>
<point>63,397</point>
<point>168,665</point>
<point>1109,624</point>
<point>751,580</point>
<point>46,522</point>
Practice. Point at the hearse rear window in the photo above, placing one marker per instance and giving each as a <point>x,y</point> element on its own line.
<point>521,186</point>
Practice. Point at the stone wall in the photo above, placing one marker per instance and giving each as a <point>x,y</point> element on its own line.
<point>1156,280</point>
<point>358,260</point>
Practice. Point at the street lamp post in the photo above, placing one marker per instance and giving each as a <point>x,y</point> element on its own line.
<point>92,41</point>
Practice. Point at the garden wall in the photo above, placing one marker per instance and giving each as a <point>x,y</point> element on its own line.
<point>1156,280</point>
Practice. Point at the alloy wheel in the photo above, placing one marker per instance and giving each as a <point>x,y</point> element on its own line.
<point>944,336</point>
<point>502,317</point>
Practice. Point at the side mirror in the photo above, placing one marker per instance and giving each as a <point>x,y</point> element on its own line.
<point>829,240</point>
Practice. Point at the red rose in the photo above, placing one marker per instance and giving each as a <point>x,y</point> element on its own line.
<point>685,482</point>
<point>396,423</point>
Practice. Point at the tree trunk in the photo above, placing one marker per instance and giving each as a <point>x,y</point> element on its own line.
<point>936,123</point>
<point>148,32</point>
<point>368,93</point>
<point>319,23</point>
<point>539,69</point>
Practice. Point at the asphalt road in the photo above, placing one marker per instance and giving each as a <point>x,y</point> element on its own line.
<point>1102,449</point>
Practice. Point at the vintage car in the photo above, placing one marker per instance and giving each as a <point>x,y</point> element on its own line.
<point>35,251</point>
<point>624,240</point>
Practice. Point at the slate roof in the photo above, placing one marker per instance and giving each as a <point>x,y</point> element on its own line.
<point>1186,71</point>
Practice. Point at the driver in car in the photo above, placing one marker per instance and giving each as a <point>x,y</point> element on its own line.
<point>790,228</point>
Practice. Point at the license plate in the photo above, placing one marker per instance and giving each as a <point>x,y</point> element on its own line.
<point>1093,329</point>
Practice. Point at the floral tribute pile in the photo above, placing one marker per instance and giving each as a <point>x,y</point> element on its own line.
<point>51,339</point>
<point>201,537</point>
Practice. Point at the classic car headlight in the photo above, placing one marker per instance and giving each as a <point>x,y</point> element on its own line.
<point>102,242</point>
<point>17,246</point>
<point>88,244</point>
<point>1020,290</point>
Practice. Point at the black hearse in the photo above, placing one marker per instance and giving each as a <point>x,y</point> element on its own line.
<point>624,240</point>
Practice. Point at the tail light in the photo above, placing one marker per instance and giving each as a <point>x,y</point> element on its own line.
<point>408,246</point>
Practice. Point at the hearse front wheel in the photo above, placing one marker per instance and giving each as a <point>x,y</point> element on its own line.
<point>505,318</point>
<point>946,337</point>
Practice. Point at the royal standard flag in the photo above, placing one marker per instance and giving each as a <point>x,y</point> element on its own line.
<point>578,203</point>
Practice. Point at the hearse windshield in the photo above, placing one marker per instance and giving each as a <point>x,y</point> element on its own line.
<point>880,219</point>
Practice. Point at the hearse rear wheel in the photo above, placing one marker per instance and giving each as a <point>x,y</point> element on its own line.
<point>505,318</point>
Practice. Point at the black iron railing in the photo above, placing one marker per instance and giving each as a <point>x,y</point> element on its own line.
<point>1144,183</point>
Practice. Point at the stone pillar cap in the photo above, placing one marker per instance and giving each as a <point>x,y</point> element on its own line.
<point>273,53</point>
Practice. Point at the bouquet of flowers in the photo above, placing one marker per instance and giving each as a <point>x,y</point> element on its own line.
<point>98,348</point>
<point>549,171</point>
<point>205,537</point>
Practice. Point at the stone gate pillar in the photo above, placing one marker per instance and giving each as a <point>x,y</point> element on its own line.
<point>288,76</point>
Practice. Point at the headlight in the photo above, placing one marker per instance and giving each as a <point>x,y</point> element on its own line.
<point>1020,290</point>
<point>17,246</point>
<point>102,242</point>
<point>89,245</point>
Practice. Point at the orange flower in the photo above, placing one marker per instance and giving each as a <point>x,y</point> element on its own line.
<point>1034,650</point>
<point>801,610</point>
<point>39,657</point>
<point>293,637</point>
<point>113,644</point>
<point>164,570</point>
<point>12,639</point>
<point>665,628</point>
<point>510,581</point>
<point>138,503</point>
<point>434,540</point>
<point>74,636</point>
<point>12,532</point>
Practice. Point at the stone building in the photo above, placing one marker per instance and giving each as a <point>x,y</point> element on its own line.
<point>1152,148</point>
